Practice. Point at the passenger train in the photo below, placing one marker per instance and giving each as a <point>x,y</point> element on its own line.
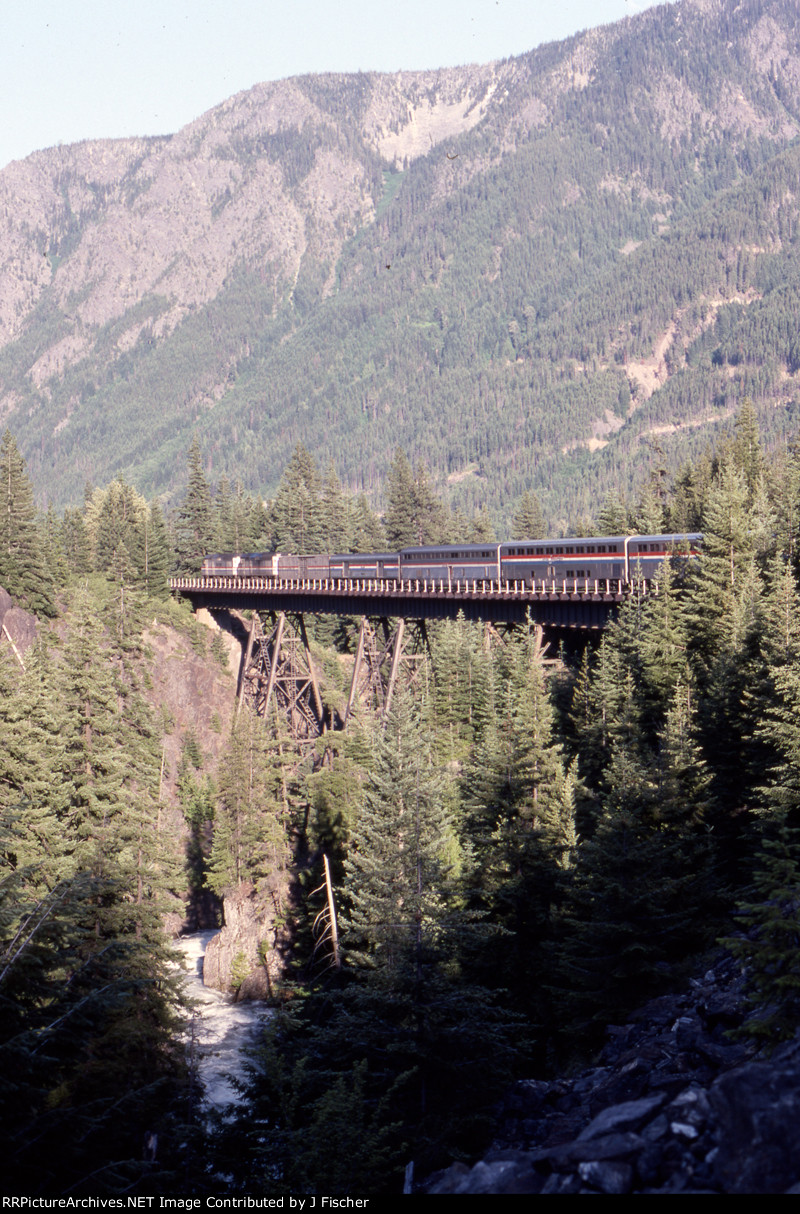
<point>611,561</point>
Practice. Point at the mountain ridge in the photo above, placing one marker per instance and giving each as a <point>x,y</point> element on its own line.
<point>482,264</point>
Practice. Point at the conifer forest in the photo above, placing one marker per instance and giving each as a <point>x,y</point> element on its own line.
<point>532,841</point>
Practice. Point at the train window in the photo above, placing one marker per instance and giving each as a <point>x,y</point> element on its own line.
<point>579,549</point>
<point>590,548</point>
<point>559,550</point>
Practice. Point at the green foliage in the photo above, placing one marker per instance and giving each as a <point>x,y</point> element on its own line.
<point>529,521</point>
<point>413,514</point>
<point>397,865</point>
<point>769,943</point>
<point>240,968</point>
<point>89,1011</point>
<point>519,855</point>
<point>23,573</point>
<point>195,529</point>
<point>251,823</point>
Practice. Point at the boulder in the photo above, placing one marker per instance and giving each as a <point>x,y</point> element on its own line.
<point>757,1114</point>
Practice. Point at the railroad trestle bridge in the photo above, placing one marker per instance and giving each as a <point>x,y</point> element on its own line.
<point>277,665</point>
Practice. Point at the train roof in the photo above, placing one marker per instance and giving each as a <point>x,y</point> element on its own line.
<point>228,556</point>
<point>364,556</point>
<point>667,536</point>
<point>492,545</point>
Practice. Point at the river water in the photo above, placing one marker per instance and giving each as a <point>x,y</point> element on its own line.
<point>221,1030</point>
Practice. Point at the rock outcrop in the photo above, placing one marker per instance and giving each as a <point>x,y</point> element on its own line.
<point>246,956</point>
<point>673,1106</point>
<point>18,628</point>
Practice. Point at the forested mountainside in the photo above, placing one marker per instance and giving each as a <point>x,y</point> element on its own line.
<point>530,273</point>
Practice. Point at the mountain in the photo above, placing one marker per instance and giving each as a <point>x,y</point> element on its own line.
<point>539,272</point>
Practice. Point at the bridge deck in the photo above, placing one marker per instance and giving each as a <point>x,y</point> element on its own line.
<point>549,604</point>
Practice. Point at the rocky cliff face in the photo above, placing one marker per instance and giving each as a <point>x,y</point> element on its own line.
<point>246,958</point>
<point>138,233</point>
<point>194,692</point>
<point>18,628</point>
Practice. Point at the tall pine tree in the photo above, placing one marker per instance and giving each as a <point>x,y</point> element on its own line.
<point>22,566</point>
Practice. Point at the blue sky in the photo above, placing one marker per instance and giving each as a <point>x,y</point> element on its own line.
<point>90,69</point>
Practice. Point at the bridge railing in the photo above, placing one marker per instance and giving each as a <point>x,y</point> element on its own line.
<point>434,587</point>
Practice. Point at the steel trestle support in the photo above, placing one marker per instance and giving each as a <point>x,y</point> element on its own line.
<point>278,670</point>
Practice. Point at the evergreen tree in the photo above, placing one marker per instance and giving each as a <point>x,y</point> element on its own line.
<point>685,506</point>
<point>723,610</point>
<point>414,515</point>
<point>746,449</point>
<point>662,645</point>
<point>613,516</point>
<point>769,949</point>
<point>520,799</point>
<point>398,883</point>
<point>32,728</point>
<point>91,1060</point>
<point>649,518</point>
<point>335,514</point>
<point>53,546</point>
<point>683,778</point>
<point>152,553</point>
<point>226,529</point>
<point>120,521</point>
<point>22,567</point>
<point>400,520</point>
<point>631,907</point>
<point>430,514</point>
<point>77,548</point>
<point>251,820</point>
<point>482,529</point>
<point>529,521</point>
<point>195,525</point>
<point>297,518</point>
<point>366,529</point>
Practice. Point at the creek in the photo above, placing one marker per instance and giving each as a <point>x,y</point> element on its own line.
<point>221,1030</point>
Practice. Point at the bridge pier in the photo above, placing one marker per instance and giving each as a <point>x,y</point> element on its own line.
<point>278,669</point>
<point>389,650</point>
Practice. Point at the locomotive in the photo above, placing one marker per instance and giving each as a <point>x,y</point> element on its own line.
<point>610,561</point>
